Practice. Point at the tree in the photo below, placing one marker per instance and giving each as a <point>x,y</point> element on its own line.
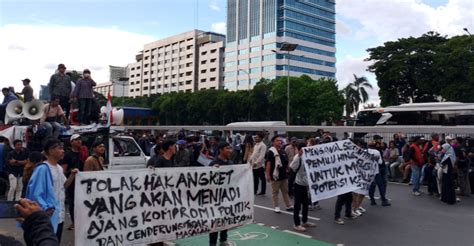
<point>404,69</point>
<point>356,94</point>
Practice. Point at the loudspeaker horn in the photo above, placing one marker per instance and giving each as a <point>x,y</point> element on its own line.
<point>14,111</point>
<point>33,110</point>
<point>117,117</point>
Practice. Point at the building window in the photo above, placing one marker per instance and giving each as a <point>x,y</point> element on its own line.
<point>204,71</point>
<point>152,88</point>
<point>213,51</point>
<point>213,60</point>
<point>212,70</point>
<point>145,73</point>
<point>146,80</point>
<point>131,90</point>
<point>203,80</point>
<point>203,62</point>
<point>189,47</point>
<point>145,88</point>
<point>189,55</point>
<point>204,53</point>
<point>189,73</point>
<point>188,82</point>
<point>213,79</point>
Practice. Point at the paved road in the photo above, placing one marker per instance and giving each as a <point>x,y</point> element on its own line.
<point>409,221</point>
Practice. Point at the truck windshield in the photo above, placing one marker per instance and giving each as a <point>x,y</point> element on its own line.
<point>125,147</point>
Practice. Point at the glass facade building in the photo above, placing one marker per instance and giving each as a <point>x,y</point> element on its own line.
<point>256,29</point>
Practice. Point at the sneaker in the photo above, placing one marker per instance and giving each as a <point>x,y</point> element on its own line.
<point>362,210</point>
<point>352,217</point>
<point>299,228</point>
<point>386,203</point>
<point>309,224</point>
<point>261,194</point>
<point>277,210</point>
<point>356,212</point>
<point>339,221</point>
<point>289,209</point>
<point>71,227</point>
<point>372,202</point>
<point>416,193</point>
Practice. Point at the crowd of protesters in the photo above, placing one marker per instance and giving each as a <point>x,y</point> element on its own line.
<point>440,163</point>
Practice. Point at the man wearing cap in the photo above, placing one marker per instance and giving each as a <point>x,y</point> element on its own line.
<point>27,91</point>
<point>84,94</point>
<point>60,86</point>
<point>74,158</point>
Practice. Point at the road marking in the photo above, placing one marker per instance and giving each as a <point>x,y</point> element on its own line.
<point>297,234</point>
<point>284,212</point>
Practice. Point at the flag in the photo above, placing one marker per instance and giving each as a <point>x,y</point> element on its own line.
<point>110,117</point>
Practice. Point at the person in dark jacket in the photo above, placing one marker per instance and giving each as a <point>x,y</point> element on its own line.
<point>60,87</point>
<point>84,94</point>
<point>37,227</point>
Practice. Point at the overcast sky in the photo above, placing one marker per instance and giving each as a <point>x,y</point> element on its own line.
<point>36,35</point>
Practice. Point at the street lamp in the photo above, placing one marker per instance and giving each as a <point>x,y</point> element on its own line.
<point>248,89</point>
<point>288,48</point>
<point>472,37</point>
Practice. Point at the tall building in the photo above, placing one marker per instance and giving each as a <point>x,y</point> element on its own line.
<point>117,84</point>
<point>257,29</point>
<point>185,62</point>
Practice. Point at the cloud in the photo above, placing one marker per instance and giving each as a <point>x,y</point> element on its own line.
<point>38,58</point>
<point>390,20</point>
<point>350,65</point>
<point>219,27</point>
<point>214,6</point>
<point>342,28</point>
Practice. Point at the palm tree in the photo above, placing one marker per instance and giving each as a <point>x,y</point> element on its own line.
<point>350,104</point>
<point>356,94</point>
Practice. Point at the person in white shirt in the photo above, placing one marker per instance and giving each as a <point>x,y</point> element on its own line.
<point>257,160</point>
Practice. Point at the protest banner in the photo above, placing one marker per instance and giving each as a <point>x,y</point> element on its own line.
<point>145,206</point>
<point>337,168</point>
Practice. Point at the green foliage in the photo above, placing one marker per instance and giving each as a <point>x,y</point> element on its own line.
<point>424,68</point>
<point>355,93</point>
<point>312,102</point>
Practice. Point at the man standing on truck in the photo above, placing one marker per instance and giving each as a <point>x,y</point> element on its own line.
<point>84,94</point>
<point>60,87</point>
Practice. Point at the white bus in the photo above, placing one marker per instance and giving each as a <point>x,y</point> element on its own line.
<point>433,114</point>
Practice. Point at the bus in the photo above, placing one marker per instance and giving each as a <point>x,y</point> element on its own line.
<point>413,114</point>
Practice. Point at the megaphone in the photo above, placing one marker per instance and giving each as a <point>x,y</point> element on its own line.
<point>33,110</point>
<point>117,117</point>
<point>14,111</point>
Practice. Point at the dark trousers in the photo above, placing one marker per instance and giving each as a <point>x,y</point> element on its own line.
<point>70,200</point>
<point>213,237</point>
<point>381,182</point>
<point>291,182</point>
<point>259,175</point>
<point>59,232</point>
<point>64,102</point>
<point>84,105</point>
<point>343,200</point>
<point>301,202</point>
<point>430,178</point>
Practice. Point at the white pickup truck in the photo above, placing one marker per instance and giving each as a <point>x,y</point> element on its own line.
<point>123,152</point>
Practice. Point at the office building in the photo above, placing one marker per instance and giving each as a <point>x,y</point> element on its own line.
<point>257,30</point>
<point>185,62</point>
<point>117,84</point>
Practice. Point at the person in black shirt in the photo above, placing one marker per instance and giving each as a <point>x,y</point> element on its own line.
<point>16,159</point>
<point>167,159</point>
<point>276,172</point>
<point>223,159</point>
<point>72,160</point>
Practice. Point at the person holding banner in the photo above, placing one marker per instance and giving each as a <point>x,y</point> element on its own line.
<point>223,159</point>
<point>300,191</point>
<point>167,159</point>
<point>380,177</point>
<point>277,173</point>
